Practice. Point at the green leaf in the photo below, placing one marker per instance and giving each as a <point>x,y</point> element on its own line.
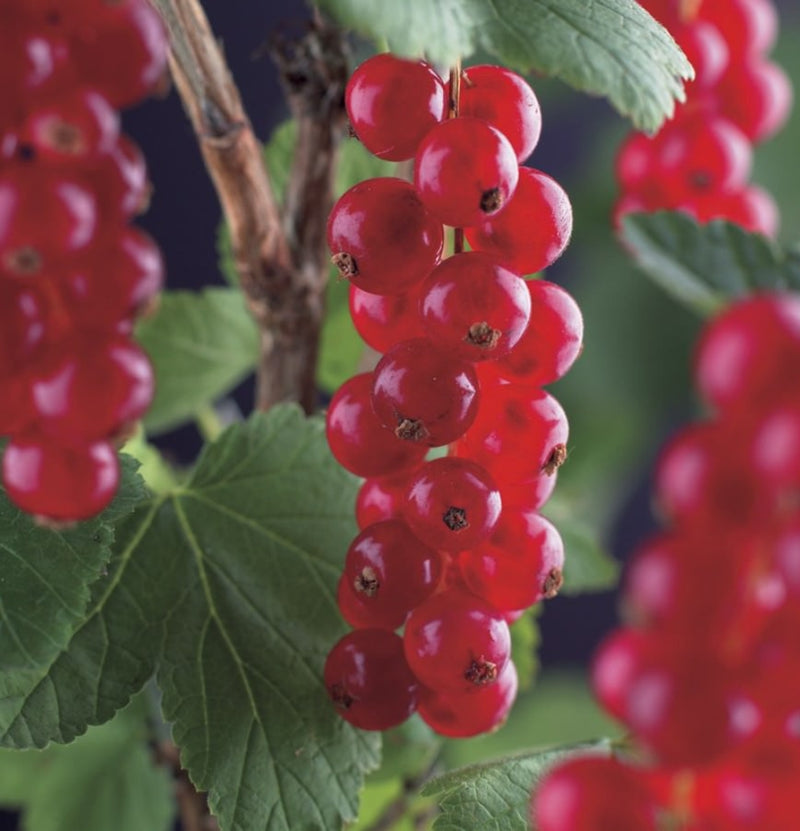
<point>201,345</point>
<point>46,574</point>
<point>226,586</point>
<point>605,47</point>
<point>106,779</point>
<point>705,266</point>
<point>495,796</point>
<point>525,640</point>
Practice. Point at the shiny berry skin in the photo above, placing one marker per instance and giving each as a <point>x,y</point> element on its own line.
<point>460,715</point>
<point>455,642</point>
<point>533,231</point>
<point>593,794</point>
<point>57,481</point>
<point>531,495</point>
<point>382,238</point>
<point>392,103</point>
<point>749,27</point>
<point>379,498</point>
<point>382,319</point>
<point>520,564</point>
<point>751,207</point>
<point>452,504</point>
<point>72,128</point>
<point>706,50</point>
<point>750,352</point>
<point>369,681</point>
<point>426,396</point>
<point>132,29</point>
<point>86,390</point>
<point>519,433</point>
<point>552,341</point>
<point>506,100</point>
<point>387,573</point>
<point>359,441</point>
<point>634,161</point>
<point>119,179</point>
<point>473,307</point>
<point>465,171</point>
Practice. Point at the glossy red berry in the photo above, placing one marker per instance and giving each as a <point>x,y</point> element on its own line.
<point>382,238</point>
<point>460,715</point>
<point>473,307</point>
<point>392,103</point>
<point>380,498</point>
<point>387,573</point>
<point>465,171</point>
<point>119,180</point>
<point>424,395</point>
<point>520,564</point>
<point>455,642</point>
<point>452,504</point>
<point>593,794</point>
<point>506,100</point>
<point>369,681</point>
<point>749,27</point>
<point>57,481</point>
<point>533,231</point>
<point>383,320</point>
<point>357,438</point>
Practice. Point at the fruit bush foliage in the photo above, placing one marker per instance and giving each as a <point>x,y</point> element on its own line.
<point>208,596</point>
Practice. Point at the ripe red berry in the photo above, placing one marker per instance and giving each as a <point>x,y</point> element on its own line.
<point>426,396</point>
<point>387,573</point>
<point>369,681</point>
<point>593,794</point>
<point>380,498</point>
<point>473,307</point>
<point>119,180</point>
<point>533,231</point>
<point>452,504</point>
<point>749,27</point>
<point>382,238</point>
<point>520,564</point>
<point>392,103</point>
<point>359,441</point>
<point>506,101</point>
<point>465,171</point>
<point>455,642</point>
<point>460,715</point>
<point>57,481</point>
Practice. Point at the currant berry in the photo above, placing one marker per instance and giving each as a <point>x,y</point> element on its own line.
<point>452,504</point>
<point>531,495</point>
<point>369,681</point>
<point>533,231</point>
<point>57,481</point>
<point>382,238</point>
<point>359,441</point>
<point>593,794</point>
<point>455,642</point>
<point>86,391</point>
<point>707,51</point>
<point>750,207</point>
<point>552,341</point>
<point>465,171</point>
<point>473,307</point>
<point>520,564</point>
<point>460,715</point>
<point>380,498</point>
<point>387,573</point>
<point>519,433</point>
<point>383,320</point>
<point>749,27</point>
<point>426,396</point>
<point>392,103</point>
<point>506,101</point>
<point>119,180</point>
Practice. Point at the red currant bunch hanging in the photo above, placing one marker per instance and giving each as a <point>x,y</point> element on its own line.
<point>450,549</point>
<point>706,673</point>
<point>74,274</point>
<point>700,161</point>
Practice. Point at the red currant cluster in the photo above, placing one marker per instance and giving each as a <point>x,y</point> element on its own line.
<point>453,548</point>
<point>701,160</point>
<point>73,274</point>
<point>707,674</point>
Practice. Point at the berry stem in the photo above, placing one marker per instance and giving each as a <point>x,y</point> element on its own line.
<point>279,251</point>
<point>455,103</point>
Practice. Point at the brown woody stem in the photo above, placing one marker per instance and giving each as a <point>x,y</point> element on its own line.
<point>279,252</point>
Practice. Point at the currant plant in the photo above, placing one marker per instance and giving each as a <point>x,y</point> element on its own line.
<point>298,628</point>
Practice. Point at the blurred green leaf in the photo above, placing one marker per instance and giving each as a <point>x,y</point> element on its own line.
<point>407,750</point>
<point>605,47</point>
<point>201,344</point>
<point>495,796</point>
<point>705,266</point>
<point>525,640</point>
